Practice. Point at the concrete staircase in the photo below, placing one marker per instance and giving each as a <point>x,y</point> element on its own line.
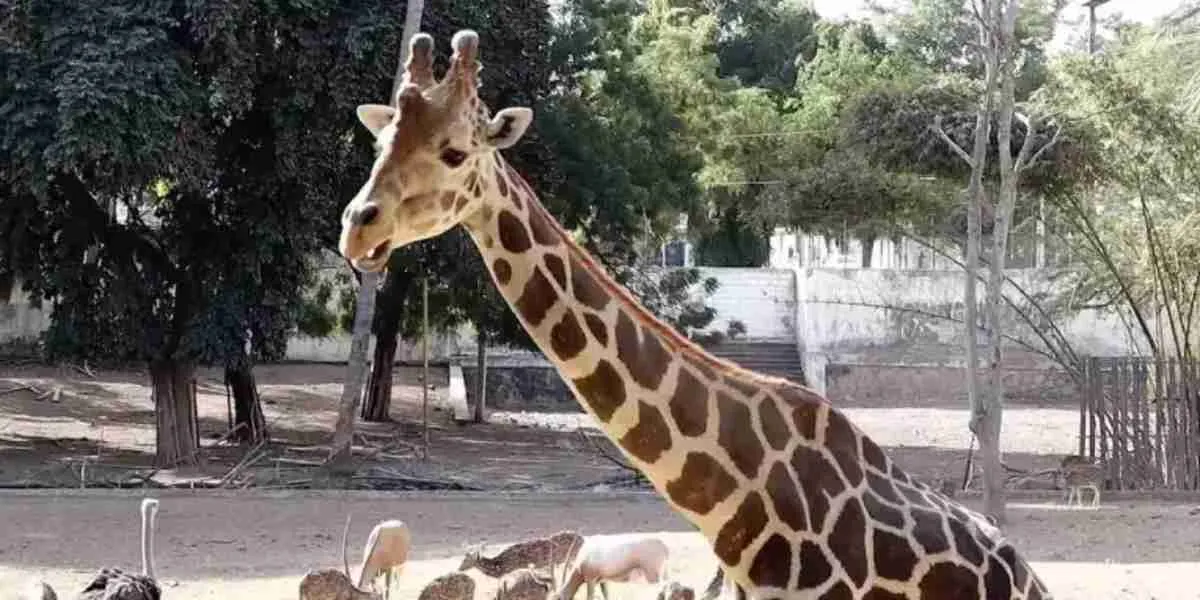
<point>779,358</point>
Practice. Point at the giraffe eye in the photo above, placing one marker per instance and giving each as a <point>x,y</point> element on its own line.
<point>453,157</point>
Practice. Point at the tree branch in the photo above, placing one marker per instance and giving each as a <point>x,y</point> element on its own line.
<point>1024,161</point>
<point>937,127</point>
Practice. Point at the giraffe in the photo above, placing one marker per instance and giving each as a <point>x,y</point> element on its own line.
<point>794,499</point>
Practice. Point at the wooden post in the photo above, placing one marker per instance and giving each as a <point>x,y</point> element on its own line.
<point>425,366</point>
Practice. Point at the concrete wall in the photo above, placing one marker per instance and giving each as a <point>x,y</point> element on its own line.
<point>762,299</point>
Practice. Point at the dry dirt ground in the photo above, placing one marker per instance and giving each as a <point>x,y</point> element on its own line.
<point>258,542</point>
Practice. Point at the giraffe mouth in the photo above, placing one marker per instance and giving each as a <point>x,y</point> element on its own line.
<point>375,258</point>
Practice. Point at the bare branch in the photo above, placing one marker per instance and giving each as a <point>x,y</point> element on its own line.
<point>937,127</point>
<point>1038,155</point>
<point>1024,161</point>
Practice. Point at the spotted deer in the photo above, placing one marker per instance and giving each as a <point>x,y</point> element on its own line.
<point>546,553</point>
<point>1081,473</point>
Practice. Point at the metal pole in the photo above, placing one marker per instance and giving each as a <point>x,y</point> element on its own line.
<point>425,367</point>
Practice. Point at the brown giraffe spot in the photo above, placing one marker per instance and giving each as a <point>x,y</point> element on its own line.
<point>874,455</point>
<point>557,269</point>
<point>772,565</point>
<point>543,231</point>
<point>689,404</point>
<point>898,474</point>
<point>566,337</point>
<point>513,235</point>
<point>487,241</point>
<point>501,184</point>
<point>843,444</point>
<point>603,390</point>
<point>821,482</point>
<point>782,490</point>
<point>1019,574</point>
<point>948,580</point>
<point>586,290</point>
<point>536,299</point>
<point>647,440</point>
<point>460,204</point>
<point>597,327</point>
<point>883,488</point>
<point>965,543</point>
<point>447,200</point>
<point>736,435</point>
<point>503,271</point>
<point>469,182</point>
<point>486,211</point>
<point>741,529</point>
<point>700,365</point>
<point>773,425</point>
<point>701,485</point>
<point>882,594</point>
<point>841,591</point>
<point>815,568</point>
<point>804,416</point>
<point>882,513</point>
<point>894,556</point>
<point>848,543</point>
<point>997,581</point>
<point>928,531</point>
<point>645,357</point>
<point>744,388</point>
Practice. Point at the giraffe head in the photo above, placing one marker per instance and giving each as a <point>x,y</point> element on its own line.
<point>430,144</point>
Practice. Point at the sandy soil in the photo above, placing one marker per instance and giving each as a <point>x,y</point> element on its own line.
<point>257,543</point>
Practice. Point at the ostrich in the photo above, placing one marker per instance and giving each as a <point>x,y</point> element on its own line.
<point>112,583</point>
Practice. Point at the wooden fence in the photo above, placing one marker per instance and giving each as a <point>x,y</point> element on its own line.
<point>1141,417</point>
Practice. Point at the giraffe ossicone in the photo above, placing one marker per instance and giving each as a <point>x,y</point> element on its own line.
<point>795,500</point>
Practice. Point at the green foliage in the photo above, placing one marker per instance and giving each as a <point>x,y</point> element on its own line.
<point>679,297</point>
<point>941,35</point>
<point>1134,227</point>
<point>167,169</point>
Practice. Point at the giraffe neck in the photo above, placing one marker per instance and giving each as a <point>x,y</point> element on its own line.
<point>682,416</point>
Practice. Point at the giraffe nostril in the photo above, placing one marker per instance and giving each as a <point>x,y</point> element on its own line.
<point>366,215</point>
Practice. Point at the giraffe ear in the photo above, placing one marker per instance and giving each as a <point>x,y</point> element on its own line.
<point>375,116</point>
<point>508,126</point>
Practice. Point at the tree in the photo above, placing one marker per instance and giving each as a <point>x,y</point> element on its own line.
<point>1132,225</point>
<point>364,308</point>
<point>164,169</point>
<point>998,54</point>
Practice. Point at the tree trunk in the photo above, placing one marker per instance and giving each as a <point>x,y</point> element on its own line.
<point>248,419</point>
<point>480,377</point>
<point>356,364</point>
<point>377,404</point>
<point>390,300</point>
<point>356,372</point>
<point>975,193</point>
<point>868,248</point>
<point>177,428</point>
<point>987,423</point>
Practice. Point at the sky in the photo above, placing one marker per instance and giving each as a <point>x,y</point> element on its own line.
<point>1136,10</point>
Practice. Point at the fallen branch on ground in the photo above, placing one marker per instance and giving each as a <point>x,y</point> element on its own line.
<point>252,457</point>
<point>17,389</point>
<point>602,452</point>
